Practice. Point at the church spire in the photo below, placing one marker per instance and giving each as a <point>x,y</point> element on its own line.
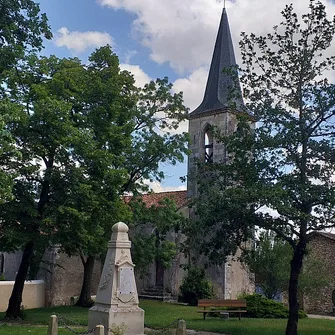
<point>220,85</point>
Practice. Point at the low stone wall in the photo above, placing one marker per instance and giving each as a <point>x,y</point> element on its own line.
<point>33,294</point>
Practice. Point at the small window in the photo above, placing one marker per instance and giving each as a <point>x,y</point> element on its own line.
<point>208,147</point>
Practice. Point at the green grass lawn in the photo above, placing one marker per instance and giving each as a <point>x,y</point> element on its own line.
<point>159,315</point>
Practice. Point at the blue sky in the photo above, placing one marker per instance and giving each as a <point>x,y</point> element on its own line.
<point>157,38</point>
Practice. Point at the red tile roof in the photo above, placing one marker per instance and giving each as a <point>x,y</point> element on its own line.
<point>153,199</point>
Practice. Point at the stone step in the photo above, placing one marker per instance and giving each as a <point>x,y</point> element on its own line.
<point>154,292</point>
<point>167,298</point>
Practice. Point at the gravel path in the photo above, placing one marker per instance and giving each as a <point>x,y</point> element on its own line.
<point>314,316</point>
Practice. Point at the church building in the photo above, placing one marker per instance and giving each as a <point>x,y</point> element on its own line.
<point>222,101</point>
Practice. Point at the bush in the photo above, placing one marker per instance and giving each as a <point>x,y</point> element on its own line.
<point>260,307</point>
<point>195,286</point>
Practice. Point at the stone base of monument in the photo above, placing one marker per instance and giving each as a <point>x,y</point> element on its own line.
<point>121,321</point>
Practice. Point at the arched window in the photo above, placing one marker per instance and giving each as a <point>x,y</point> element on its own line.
<point>208,146</point>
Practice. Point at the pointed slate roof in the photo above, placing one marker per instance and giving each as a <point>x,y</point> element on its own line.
<point>219,86</point>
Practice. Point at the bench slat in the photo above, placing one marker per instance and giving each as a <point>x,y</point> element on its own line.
<point>222,303</point>
<point>224,310</point>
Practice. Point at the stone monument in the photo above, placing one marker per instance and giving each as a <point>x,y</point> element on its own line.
<point>116,306</point>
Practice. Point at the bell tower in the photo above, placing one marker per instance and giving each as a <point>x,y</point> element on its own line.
<point>221,104</point>
<point>222,100</point>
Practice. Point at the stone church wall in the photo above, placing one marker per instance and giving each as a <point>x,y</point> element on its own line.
<point>63,275</point>
<point>239,278</point>
<point>322,248</point>
<point>171,277</point>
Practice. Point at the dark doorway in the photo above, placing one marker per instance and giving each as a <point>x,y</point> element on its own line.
<point>159,274</point>
<point>159,266</point>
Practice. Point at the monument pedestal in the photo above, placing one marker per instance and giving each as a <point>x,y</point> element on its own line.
<point>116,306</point>
<point>125,320</point>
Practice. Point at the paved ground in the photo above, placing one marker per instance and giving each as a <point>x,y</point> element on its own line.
<point>194,332</point>
<point>312,316</point>
<point>328,317</point>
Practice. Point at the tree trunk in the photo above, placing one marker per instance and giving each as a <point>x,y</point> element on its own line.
<point>296,265</point>
<point>85,294</point>
<point>15,300</point>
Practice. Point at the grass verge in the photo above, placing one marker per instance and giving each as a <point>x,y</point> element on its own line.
<point>159,315</point>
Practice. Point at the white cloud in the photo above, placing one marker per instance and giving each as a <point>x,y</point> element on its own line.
<point>78,41</point>
<point>141,78</point>
<point>267,210</point>
<point>129,55</point>
<point>179,32</point>
<point>193,87</point>
<point>182,33</point>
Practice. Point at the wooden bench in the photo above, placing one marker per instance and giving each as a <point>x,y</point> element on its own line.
<point>237,306</point>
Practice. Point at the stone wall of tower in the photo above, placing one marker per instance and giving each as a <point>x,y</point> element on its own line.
<point>231,279</point>
<point>224,121</point>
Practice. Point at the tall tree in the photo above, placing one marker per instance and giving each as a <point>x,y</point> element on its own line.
<point>67,151</point>
<point>152,139</point>
<point>287,163</point>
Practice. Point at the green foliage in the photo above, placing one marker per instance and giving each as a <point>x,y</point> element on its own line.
<point>8,113</point>
<point>143,252</point>
<point>269,260</point>
<point>2,277</point>
<point>22,28</point>
<point>195,286</point>
<point>260,307</point>
<point>166,253</point>
<point>150,225</point>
